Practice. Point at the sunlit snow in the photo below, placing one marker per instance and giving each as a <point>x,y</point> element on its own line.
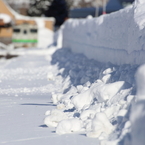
<point>55,95</point>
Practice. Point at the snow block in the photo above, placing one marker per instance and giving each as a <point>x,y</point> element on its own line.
<point>117,37</point>
<point>69,126</point>
<point>138,110</point>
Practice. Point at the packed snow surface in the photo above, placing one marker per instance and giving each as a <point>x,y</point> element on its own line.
<point>28,81</point>
<point>138,114</point>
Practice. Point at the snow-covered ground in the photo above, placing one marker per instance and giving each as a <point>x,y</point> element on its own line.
<point>52,95</point>
<point>34,82</point>
<point>25,96</point>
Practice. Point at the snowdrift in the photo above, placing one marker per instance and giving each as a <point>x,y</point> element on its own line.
<point>101,99</point>
<point>117,38</point>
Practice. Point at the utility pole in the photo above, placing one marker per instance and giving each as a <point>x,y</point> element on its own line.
<point>98,3</point>
<point>97,11</point>
<point>104,3</point>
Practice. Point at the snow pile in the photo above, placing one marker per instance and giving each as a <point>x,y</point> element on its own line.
<point>97,96</point>
<point>6,18</point>
<point>138,110</point>
<point>120,34</point>
<point>2,46</point>
<point>91,97</point>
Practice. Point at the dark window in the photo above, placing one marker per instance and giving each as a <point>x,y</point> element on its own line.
<point>16,30</point>
<point>25,32</point>
<point>33,30</point>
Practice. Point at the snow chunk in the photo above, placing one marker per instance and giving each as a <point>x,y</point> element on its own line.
<point>6,18</point>
<point>54,118</point>
<point>56,97</point>
<point>87,114</point>
<point>106,78</point>
<point>47,112</point>
<point>139,1</point>
<point>108,71</point>
<point>101,91</point>
<point>140,80</point>
<point>111,111</point>
<point>104,92</point>
<point>100,125</point>
<point>50,76</point>
<point>3,46</point>
<point>122,112</point>
<point>83,100</point>
<point>138,110</point>
<point>105,142</point>
<point>69,126</point>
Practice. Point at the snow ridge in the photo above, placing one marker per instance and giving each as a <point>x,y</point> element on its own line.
<point>98,103</point>
<point>120,34</point>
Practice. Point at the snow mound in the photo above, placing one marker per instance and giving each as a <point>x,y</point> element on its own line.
<point>102,103</point>
<point>117,37</point>
<point>6,18</point>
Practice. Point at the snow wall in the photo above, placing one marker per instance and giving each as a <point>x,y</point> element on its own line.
<point>118,37</point>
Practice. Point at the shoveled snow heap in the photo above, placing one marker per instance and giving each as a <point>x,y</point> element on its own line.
<point>96,99</point>
<point>90,97</point>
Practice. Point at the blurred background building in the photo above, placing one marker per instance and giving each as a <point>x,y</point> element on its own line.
<point>21,30</point>
<point>20,6</point>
